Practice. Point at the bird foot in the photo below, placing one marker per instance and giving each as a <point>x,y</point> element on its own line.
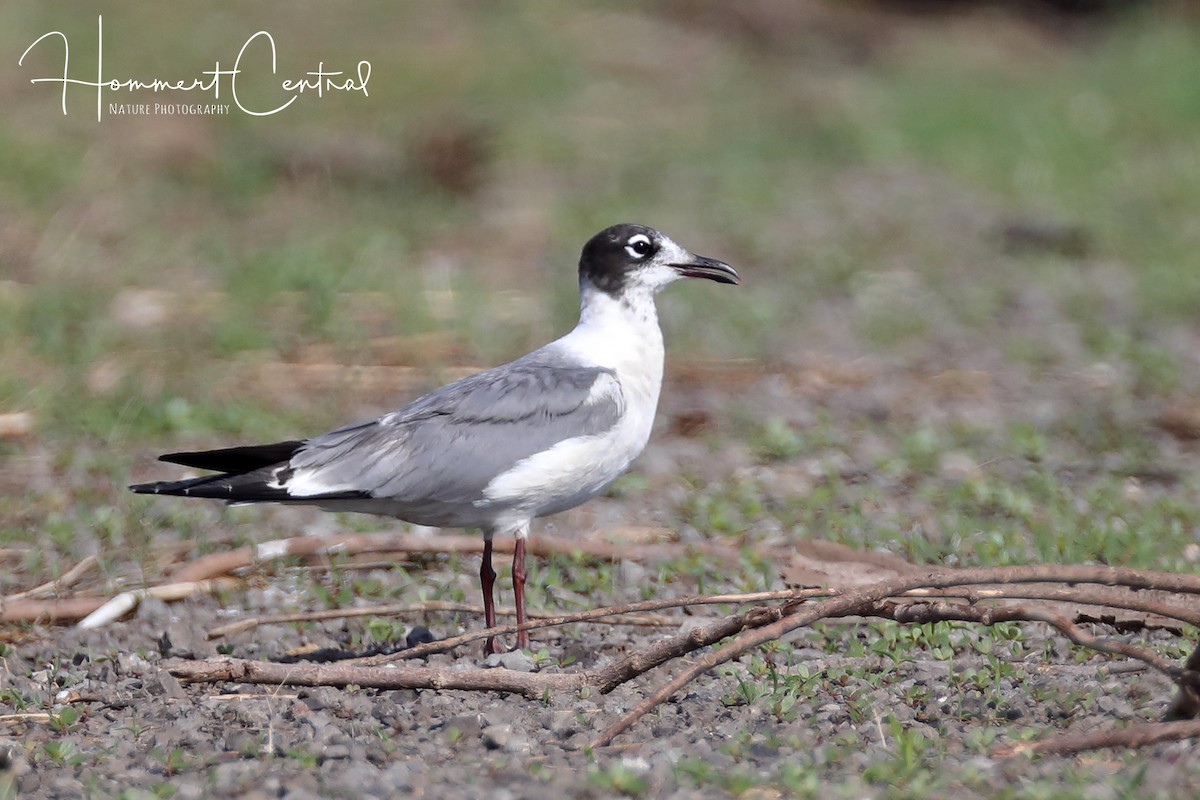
<point>493,647</point>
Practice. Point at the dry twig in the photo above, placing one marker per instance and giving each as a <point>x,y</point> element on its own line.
<point>1109,597</point>
<point>1183,677</point>
<point>125,602</point>
<point>25,716</point>
<point>530,684</point>
<point>918,597</point>
<point>55,586</point>
<point>392,676</point>
<point>650,620</point>
<point>423,650</point>
<point>57,610</point>
<point>1139,735</point>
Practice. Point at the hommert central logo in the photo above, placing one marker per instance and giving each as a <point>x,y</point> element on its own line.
<point>214,80</point>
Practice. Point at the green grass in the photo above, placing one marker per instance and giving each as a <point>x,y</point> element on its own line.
<point>1094,136</point>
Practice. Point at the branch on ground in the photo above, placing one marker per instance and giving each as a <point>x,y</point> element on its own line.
<point>1063,597</point>
<point>864,600</point>
<point>944,599</point>
<point>1140,735</point>
<point>530,684</point>
<point>395,609</point>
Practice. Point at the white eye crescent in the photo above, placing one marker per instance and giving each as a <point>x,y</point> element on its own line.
<point>639,246</point>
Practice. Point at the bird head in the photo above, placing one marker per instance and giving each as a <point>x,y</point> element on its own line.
<point>625,258</point>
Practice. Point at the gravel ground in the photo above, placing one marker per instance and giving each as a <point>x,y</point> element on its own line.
<point>861,720</point>
<point>144,731</point>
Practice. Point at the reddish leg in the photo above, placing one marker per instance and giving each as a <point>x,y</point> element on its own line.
<point>487,579</point>
<point>518,576</point>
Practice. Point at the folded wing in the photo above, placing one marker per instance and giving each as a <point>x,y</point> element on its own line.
<point>443,448</point>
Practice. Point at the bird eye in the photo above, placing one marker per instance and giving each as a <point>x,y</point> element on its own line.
<point>639,246</point>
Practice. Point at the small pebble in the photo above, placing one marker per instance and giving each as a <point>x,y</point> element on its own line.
<point>496,737</point>
<point>562,723</point>
<point>470,725</point>
<point>419,635</point>
<point>334,752</point>
<point>504,737</point>
<point>165,684</point>
<point>517,661</point>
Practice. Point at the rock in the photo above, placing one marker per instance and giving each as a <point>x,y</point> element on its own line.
<point>252,712</point>
<point>66,786</point>
<point>517,661</point>
<point>164,684</point>
<point>504,737</point>
<point>419,635</point>
<point>631,573</point>
<point>470,725</point>
<point>187,790</point>
<point>320,698</point>
<point>636,764</point>
<point>334,752</point>
<point>497,736</point>
<point>247,744</point>
<point>301,794</point>
<point>398,777</point>
<point>133,664</point>
<point>562,723</point>
<point>12,762</point>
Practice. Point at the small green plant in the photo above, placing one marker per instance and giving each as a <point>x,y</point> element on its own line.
<point>776,440</point>
<point>15,700</point>
<point>304,758</point>
<point>384,630</point>
<point>907,750</point>
<point>172,762</point>
<point>63,720</point>
<point>619,779</point>
<point>746,693</point>
<point>800,780</point>
<point>63,753</point>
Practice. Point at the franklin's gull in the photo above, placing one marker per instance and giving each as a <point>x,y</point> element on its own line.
<point>493,451</point>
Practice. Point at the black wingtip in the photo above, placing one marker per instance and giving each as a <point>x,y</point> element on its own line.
<point>217,486</point>
<point>235,489</point>
<point>159,487</point>
<point>236,459</point>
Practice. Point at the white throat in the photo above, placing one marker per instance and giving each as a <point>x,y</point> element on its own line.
<point>619,333</point>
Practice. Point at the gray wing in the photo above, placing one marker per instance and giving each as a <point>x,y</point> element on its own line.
<point>448,445</point>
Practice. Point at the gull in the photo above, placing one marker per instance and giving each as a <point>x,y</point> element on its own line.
<point>497,449</point>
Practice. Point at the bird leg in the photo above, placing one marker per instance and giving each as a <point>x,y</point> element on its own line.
<point>518,576</point>
<point>487,578</point>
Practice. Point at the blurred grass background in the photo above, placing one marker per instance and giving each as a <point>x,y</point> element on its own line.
<point>1006,188</point>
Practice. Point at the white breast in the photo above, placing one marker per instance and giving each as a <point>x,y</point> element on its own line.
<point>625,338</point>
